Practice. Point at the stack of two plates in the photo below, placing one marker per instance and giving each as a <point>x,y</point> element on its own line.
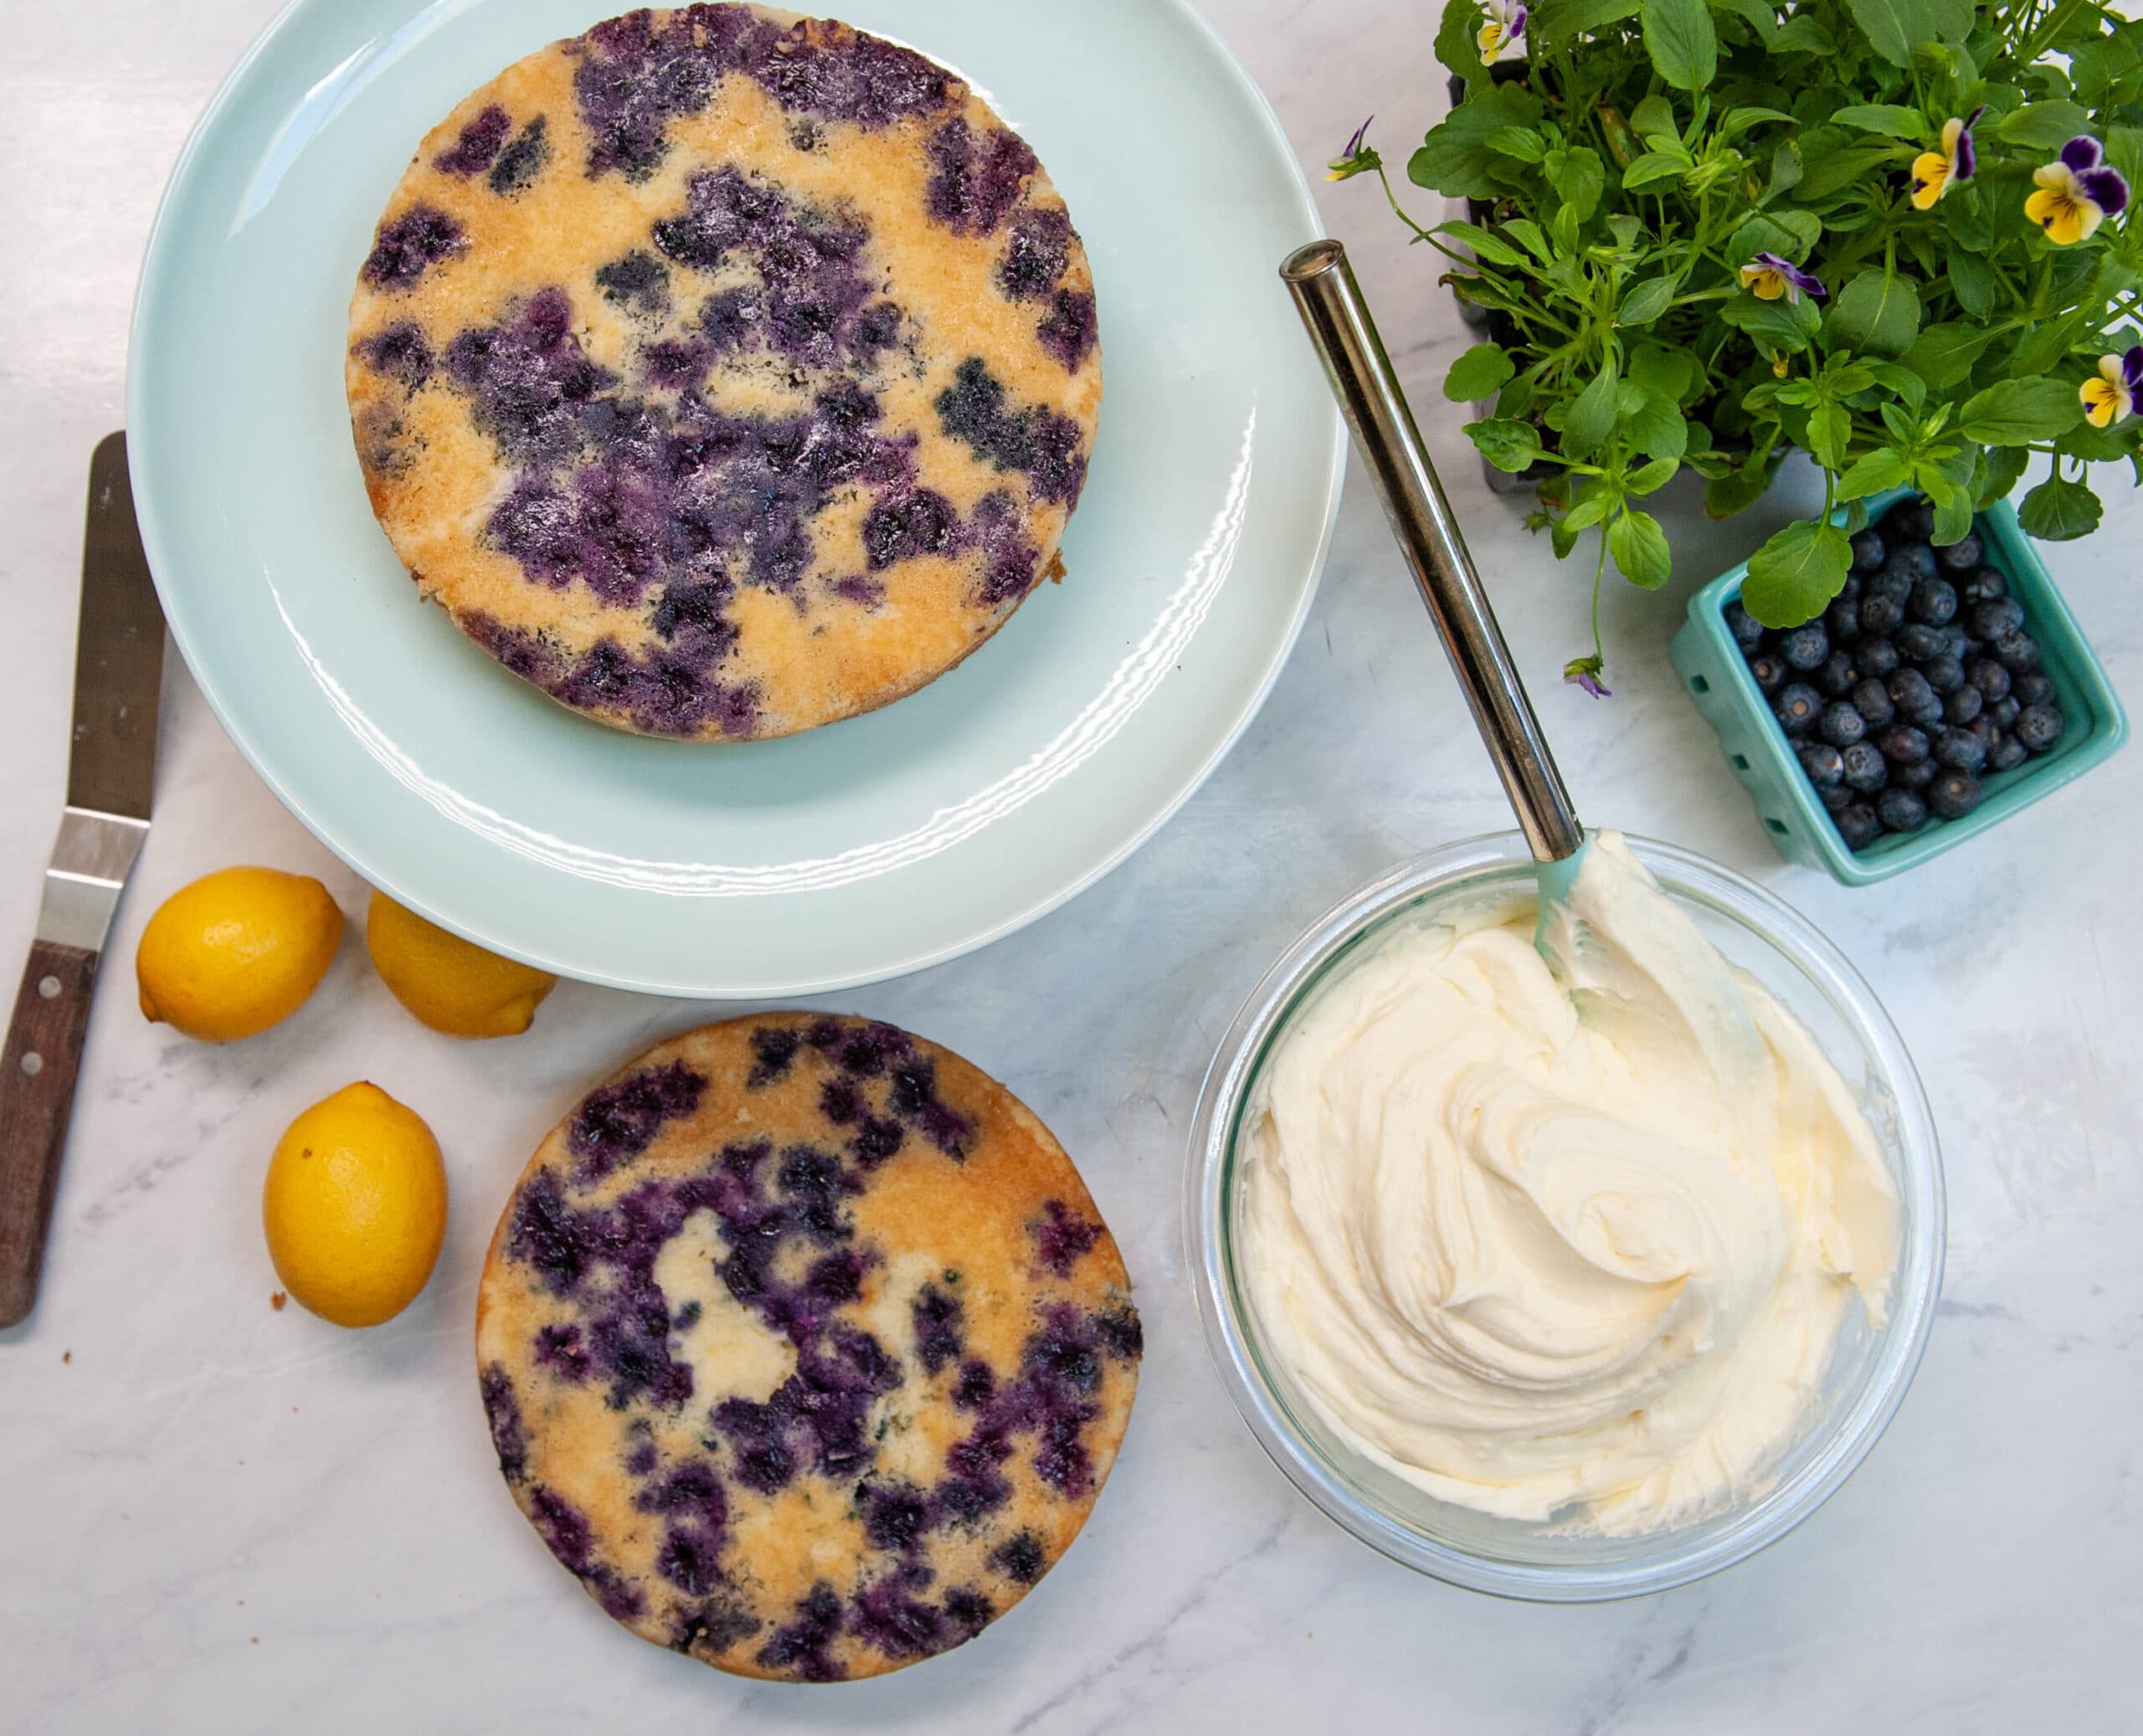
<point>854,852</point>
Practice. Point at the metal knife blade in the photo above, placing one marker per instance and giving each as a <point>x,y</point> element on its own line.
<point>119,658</point>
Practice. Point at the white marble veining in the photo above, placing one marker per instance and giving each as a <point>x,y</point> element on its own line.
<point>217,1517</point>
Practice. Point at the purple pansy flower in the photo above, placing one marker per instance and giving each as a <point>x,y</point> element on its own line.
<point>1767,277</point>
<point>2076,193</point>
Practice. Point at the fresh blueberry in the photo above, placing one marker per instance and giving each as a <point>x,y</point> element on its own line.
<point>1916,560</point>
<point>1959,750</point>
<point>1915,777</point>
<point>2004,713</point>
<point>1863,767</point>
<point>1798,708</point>
<point>2017,651</point>
<point>2006,754</point>
<point>2032,688</point>
<point>1877,657</point>
<point>1983,586</point>
<point>1957,643</point>
<point>1894,579</point>
<point>1995,616</point>
<point>1769,671</point>
<point>1858,826</point>
<point>1964,705</point>
<point>1824,764</point>
<point>1945,674</point>
<point>1872,700</point>
<point>1868,551</point>
<point>1839,675</point>
<point>1805,648</point>
<point>1921,642</point>
<point>1909,521</point>
<point>1933,601</point>
<point>1981,730</point>
<point>1882,611</point>
<point>1841,725</point>
<point>2040,728</point>
<point>1903,745</point>
<point>1747,630</point>
<point>1838,797</point>
<point>1916,701</point>
<point>1990,677</point>
<point>1960,556</point>
<point>1953,795</point>
<point>1842,619</point>
<point>1900,810</point>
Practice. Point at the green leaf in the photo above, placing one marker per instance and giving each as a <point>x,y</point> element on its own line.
<point>1482,371</point>
<point>1767,232</point>
<point>1657,427</point>
<point>2044,125</point>
<point>1508,445</point>
<point>1803,33</point>
<point>1738,488</point>
<point>1592,416</point>
<point>1740,121</point>
<point>1943,355</point>
<point>1684,47</point>
<point>1485,244</point>
<point>2095,445</point>
<point>1972,282</point>
<point>1652,165</point>
<point>1560,21</point>
<point>1528,234</point>
<point>1663,371</point>
<point>1581,178</point>
<point>1907,384</point>
<point>1793,577</point>
<point>1829,173</point>
<point>2058,510</point>
<point>1457,43</point>
<point>1829,428</point>
<point>1783,324</point>
<point>1870,474</point>
<point>1761,16</point>
<point>2096,66</point>
<point>1588,511</point>
<point>1787,170</point>
<point>1654,117</point>
<point>2005,469</point>
<point>1897,27</point>
<point>2041,350</point>
<point>1876,311</point>
<point>1640,549</point>
<point>2124,151</point>
<point>1455,158</point>
<point>1953,504</point>
<point>1649,479</point>
<point>2016,411</point>
<point>1884,118</point>
<point>1521,142</point>
<point>1645,302</point>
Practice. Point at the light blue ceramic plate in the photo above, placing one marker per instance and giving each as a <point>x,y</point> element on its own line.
<point>853,853</point>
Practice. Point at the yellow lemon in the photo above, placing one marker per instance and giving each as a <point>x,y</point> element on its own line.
<point>354,1206</point>
<point>450,983</point>
<point>236,952</point>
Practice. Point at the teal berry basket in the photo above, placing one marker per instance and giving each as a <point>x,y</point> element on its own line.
<point>1717,680</point>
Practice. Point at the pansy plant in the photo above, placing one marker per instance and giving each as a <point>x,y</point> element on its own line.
<point>1889,236</point>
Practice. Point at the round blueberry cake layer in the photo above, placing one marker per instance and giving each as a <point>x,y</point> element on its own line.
<point>724,372</point>
<point>803,1347</point>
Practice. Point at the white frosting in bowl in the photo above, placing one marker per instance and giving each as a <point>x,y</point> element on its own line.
<point>1535,1236</point>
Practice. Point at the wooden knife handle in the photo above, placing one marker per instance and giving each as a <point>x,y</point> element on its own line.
<point>37,1066</point>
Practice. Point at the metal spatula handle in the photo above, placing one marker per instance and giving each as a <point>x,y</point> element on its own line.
<point>1339,320</point>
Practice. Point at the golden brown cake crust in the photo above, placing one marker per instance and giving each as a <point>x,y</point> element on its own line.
<point>802,1346</point>
<point>725,373</point>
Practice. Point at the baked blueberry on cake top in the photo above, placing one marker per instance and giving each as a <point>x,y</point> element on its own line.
<point>724,372</point>
<point>803,1347</point>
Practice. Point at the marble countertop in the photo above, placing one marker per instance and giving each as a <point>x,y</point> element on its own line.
<point>218,1517</point>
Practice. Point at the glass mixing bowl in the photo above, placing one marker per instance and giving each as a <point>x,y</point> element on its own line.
<point>1870,1370</point>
